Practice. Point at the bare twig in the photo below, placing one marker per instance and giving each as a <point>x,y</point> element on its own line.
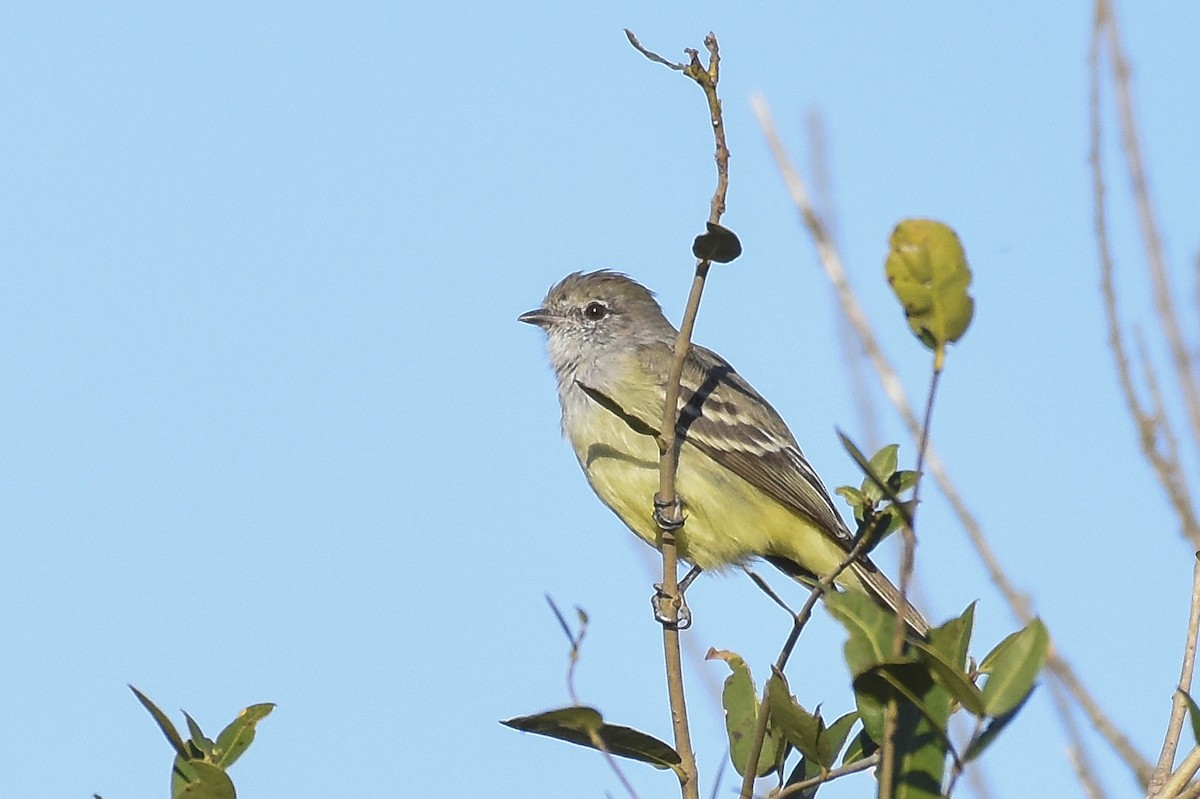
<point>1178,781</point>
<point>1077,749</point>
<point>1085,774</point>
<point>667,507</point>
<point>1166,467</point>
<point>573,660</point>
<point>890,380</point>
<point>832,774</point>
<point>1179,700</point>
<point>1155,261</point>
<point>655,57</point>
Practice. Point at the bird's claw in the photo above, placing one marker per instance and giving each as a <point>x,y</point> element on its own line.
<point>668,515</point>
<point>670,611</point>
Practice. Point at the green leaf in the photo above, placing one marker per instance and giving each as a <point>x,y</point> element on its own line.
<point>239,734</point>
<point>740,700</point>
<point>860,746</point>
<point>922,713</point>
<point>196,779</point>
<point>854,499</point>
<point>805,770</point>
<point>718,244</point>
<point>903,480</point>
<point>577,725</point>
<point>1013,666</point>
<point>801,728</point>
<point>885,461</point>
<point>833,738</point>
<point>199,744</point>
<point>869,626</point>
<point>982,741</point>
<point>956,682</point>
<point>911,679</point>
<point>1193,716</point>
<point>869,642</point>
<point>164,724</point>
<point>927,269</point>
<point>946,653</point>
<point>875,484</point>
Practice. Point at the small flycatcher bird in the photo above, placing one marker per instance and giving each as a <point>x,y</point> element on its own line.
<point>746,488</point>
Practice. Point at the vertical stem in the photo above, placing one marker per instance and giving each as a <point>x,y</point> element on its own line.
<point>667,507</point>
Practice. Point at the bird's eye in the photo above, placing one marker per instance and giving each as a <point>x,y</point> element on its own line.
<point>595,311</point>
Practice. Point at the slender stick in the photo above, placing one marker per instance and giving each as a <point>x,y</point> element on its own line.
<point>1152,241</point>
<point>799,787</point>
<point>1182,776</point>
<point>666,502</point>
<point>1179,700</point>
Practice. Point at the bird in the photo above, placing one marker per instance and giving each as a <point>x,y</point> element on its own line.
<point>746,489</point>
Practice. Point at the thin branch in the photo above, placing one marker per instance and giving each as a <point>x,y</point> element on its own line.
<point>890,380</point>
<point>653,56</point>
<point>668,509</point>
<point>832,774</point>
<point>1179,704</point>
<point>1077,749</point>
<point>1165,466</point>
<point>573,660</point>
<point>1178,781</point>
<point>1155,261</point>
<point>1085,775</point>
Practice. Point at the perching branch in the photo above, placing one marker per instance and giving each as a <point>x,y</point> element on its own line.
<point>668,509</point>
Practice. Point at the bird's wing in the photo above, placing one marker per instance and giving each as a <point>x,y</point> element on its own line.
<point>728,421</point>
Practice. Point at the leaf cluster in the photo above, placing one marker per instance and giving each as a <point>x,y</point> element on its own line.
<point>198,771</point>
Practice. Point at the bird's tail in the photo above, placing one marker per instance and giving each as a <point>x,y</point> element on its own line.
<point>882,591</point>
<point>876,585</point>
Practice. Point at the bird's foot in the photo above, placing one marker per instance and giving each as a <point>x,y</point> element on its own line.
<point>668,515</point>
<point>670,610</point>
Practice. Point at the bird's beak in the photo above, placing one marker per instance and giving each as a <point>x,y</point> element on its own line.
<point>540,317</point>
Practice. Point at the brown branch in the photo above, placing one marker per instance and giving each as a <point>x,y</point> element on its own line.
<point>1166,467</point>
<point>894,389</point>
<point>1179,705</point>
<point>1155,261</point>
<point>668,509</point>
<point>1178,781</point>
<point>832,774</point>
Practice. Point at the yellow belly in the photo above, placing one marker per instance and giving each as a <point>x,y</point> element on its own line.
<point>728,521</point>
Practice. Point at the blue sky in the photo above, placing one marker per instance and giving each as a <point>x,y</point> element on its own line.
<point>269,430</point>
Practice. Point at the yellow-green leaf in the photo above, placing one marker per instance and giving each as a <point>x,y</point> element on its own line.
<point>740,700</point>
<point>1013,666</point>
<point>579,724</point>
<point>234,739</point>
<point>927,269</point>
